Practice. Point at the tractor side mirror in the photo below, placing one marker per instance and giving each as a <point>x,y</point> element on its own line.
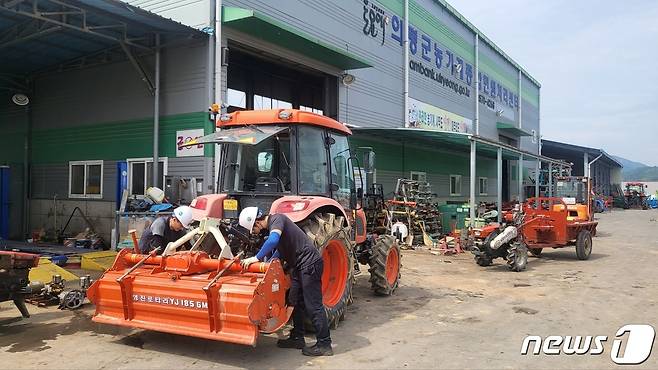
<point>359,193</point>
<point>354,198</point>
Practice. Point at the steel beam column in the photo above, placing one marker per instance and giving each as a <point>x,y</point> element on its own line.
<point>550,179</point>
<point>472,183</point>
<point>156,113</point>
<point>499,183</point>
<point>537,170</point>
<point>520,178</point>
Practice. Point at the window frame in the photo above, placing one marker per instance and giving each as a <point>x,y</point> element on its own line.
<point>146,160</point>
<point>486,181</point>
<point>86,164</point>
<point>458,178</point>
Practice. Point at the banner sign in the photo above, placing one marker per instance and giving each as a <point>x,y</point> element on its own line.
<point>426,116</point>
<point>433,60</point>
<point>185,136</point>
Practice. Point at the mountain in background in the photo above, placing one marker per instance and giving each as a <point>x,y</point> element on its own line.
<point>636,171</point>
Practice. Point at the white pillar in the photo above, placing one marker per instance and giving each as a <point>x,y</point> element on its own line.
<point>585,164</point>
<point>550,179</point>
<point>156,113</point>
<point>472,182</point>
<point>499,183</point>
<point>520,178</point>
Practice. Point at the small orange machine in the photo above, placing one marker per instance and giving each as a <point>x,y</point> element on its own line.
<point>189,293</point>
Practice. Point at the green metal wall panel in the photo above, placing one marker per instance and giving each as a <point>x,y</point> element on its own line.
<point>408,157</point>
<point>112,141</point>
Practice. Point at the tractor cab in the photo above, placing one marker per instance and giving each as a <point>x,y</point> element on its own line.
<point>281,160</point>
<point>575,193</point>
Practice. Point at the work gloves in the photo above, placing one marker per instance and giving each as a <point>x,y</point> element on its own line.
<point>248,261</point>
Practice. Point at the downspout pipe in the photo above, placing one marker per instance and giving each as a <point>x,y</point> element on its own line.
<point>405,93</point>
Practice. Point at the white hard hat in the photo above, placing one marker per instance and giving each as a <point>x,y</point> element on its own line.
<point>248,217</point>
<point>184,215</point>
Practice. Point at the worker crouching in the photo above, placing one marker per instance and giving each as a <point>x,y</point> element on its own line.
<point>293,247</point>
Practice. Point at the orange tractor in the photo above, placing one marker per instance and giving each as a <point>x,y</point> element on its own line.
<point>287,161</point>
<point>542,222</point>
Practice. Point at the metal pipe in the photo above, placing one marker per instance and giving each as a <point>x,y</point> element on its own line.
<point>205,263</point>
<point>405,93</point>
<point>589,164</point>
<point>472,183</point>
<point>156,112</point>
<point>477,84</point>
<point>499,183</point>
<point>27,158</point>
<point>585,164</point>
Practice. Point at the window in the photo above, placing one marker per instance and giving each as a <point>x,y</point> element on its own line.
<point>483,185</point>
<point>140,175</point>
<point>312,161</point>
<point>342,173</point>
<point>263,102</point>
<point>236,98</point>
<point>312,110</point>
<point>86,179</point>
<point>419,176</point>
<point>455,185</point>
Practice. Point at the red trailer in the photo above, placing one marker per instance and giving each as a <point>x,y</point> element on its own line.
<point>551,223</point>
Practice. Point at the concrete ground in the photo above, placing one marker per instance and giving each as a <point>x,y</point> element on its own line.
<point>447,313</point>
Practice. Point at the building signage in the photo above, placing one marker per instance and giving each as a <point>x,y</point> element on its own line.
<point>426,116</point>
<point>435,61</point>
<point>186,136</point>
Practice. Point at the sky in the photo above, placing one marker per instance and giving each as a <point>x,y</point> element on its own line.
<point>597,62</point>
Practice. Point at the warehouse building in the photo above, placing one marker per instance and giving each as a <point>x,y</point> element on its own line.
<point>440,102</point>
<point>601,167</point>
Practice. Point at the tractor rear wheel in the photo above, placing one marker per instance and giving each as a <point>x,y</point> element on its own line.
<point>385,264</point>
<point>332,239</point>
<point>485,258</point>
<point>536,251</point>
<point>583,245</point>
<point>517,257</point>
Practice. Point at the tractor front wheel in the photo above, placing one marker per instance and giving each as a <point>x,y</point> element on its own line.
<point>583,245</point>
<point>331,237</point>
<point>385,264</point>
<point>485,257</point>
<point>517,257</point>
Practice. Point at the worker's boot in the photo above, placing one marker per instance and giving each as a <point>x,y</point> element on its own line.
<point>291,342</point>
<point>318,349</point>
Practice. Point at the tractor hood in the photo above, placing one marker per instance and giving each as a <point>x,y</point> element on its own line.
<point>247,135</point>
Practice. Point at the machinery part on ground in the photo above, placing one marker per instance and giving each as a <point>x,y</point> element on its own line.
<point>385,263</point>
<point>72,299</point>
<point>49,294</point>
<point>189,293</point>
<point>536,251</point>
<point>14,278</point>
<point>517,256</point>
<point>584,245</point>
<point>332,239</point>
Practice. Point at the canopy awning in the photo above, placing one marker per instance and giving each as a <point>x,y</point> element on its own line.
<point>247,135</point>
<point>454,141</point>
<point>511,129</point>
<point>259,25</point>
